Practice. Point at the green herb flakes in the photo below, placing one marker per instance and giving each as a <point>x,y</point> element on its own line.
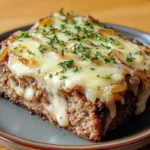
<point>138,53</point>
<point>30,52</point>
<point>61,11</point>
<point>73,22</point>
<point>78,28</point>
<point>63,77</point>
<point>107,77</point>
<point>129,57</point>
<point>39,71</point>
<point>20,51</point>
<point>50,75</point>
<point>75,69</point>
<point>66,64</point>
<point>92,69</point>
<point>97,55</point>
<point>67,32</point>
<point>42,48</point>
<point>62,52</point>
<point>24,35</point>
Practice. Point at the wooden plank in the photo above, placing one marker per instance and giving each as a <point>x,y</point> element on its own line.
<point>135,13</point>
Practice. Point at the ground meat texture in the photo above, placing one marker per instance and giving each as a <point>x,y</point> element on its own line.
<point>83,117</point>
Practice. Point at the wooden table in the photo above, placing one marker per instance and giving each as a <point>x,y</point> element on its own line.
<point>132,13</point>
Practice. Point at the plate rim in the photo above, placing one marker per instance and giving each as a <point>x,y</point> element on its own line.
<point>129,140</point>
<point>8,137</point>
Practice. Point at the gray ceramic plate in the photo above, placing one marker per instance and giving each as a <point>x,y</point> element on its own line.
<point>18,129</point>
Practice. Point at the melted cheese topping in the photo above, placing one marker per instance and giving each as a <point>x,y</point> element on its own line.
<point>65,52</point>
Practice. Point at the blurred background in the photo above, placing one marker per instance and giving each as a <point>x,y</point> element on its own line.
<point>132,13</point>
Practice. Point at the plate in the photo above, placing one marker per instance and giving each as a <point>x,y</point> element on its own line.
<point>20,130</point>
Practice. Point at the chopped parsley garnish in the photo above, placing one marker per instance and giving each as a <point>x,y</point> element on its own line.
<point>84,51</point>
<point>87,23</point>
<point>24,35</point>
<point>63,77</point>
<point>65,21</point>
<point>138,53</point>
<point>111,40</point>
<point>129,57</point>
<point>98,37</point>
<point>102,45</point>
<point>42,48</point>
<point>75,69</point>
<point>39,71</point>
<point>61,11</point>
<point>97,55</point>
<point>73,22</point>
<point>30,52</point>
<point>105,46</point>
<point>98,76</point>
<point>61,43</point>
<point>78,28</point>
<point>62,52</point>
<point>45,25</point>
<point>66,64</point>
<point>57,73</point>
<point>91,43</point>
<point>53,41</point>
<point>107,77</point>
<point>20,51</point>
<point>92,69</point>
<point>109,60</point>
<point>67,32</point>
<point>62,26</point>
<point>52,30</point>
<point>50,75</point>
<point>108,47</point>
<point>85,30</point>
<point>110,53</point>
<point>76,37</point>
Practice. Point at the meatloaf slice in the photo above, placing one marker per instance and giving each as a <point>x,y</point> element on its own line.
<point>76,73</point>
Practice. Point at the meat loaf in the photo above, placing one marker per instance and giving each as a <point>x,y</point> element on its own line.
<point>76,73</point>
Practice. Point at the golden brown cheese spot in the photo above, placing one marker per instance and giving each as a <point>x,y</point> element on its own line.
<point>108,32</point>
<point>31,62</point>
<point>147,50</point>
<point>28,61</point>
<point>4,55</point>
<point>46,22</point>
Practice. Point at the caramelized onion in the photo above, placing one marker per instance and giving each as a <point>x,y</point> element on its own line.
<point>119,88</point>
<point>4,55</point>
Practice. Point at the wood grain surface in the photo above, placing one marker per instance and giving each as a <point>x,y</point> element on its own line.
<point>131,13</point>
